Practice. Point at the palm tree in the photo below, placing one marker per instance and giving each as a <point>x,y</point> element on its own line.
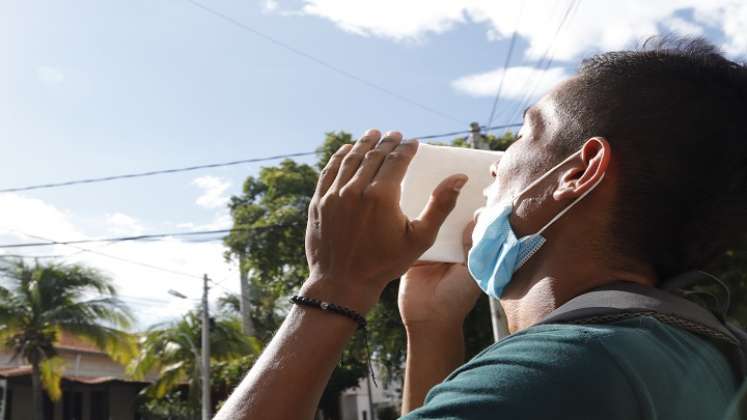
<point>173,349</point>
<point>40,301</point>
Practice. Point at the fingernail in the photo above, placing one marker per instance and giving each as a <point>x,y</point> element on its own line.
<point>371,132</point>
<point>409,141</point>
<point>459,183</point>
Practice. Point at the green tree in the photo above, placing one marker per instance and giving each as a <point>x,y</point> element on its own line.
<point>172,350</point>
<point>269,219</point>
<point>38,302</point>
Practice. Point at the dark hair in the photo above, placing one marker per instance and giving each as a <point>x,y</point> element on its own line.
<point>675,114</point>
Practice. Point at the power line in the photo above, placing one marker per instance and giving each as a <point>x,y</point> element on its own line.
<point>72,254</point>
<point>210,165</point>
<point>143,237</point>
<point>222,287</point>
<point>545,61</point>
<point>570,11</point>
<point>151,173</point>
<point>144,300</point>
<point>456,133</point>
<point>321,62</point>
<point>142,264</point>
<point>39,256</point>
<point>505,66</point>
<point>539,64</point>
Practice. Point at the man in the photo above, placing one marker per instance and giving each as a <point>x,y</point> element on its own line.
<point>643,153</point>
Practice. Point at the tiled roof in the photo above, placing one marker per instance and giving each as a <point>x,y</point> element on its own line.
<point>12,372</point>
<point>71,342</point>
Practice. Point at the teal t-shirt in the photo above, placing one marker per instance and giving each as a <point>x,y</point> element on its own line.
<point>634,369</point>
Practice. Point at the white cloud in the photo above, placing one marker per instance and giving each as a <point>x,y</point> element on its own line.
<point>594,26</point>
<point>389,18</point>
<point>270,5</point>
<point>733,20</point>
<point>514,84</point>
<point>181,264</point>
<point>23,218</point>
<point>682,27</point>
<point>221,221</point>
<point>122,224</point>
<point>213,191</point>
<point>129,264</point>
<point>50,75</point>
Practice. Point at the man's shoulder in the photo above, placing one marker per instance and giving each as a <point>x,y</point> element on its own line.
<point>631,344</point>
<point>639,368</point>
<point>639,331</point>
<point>561,364</point>
<point>556,347</point>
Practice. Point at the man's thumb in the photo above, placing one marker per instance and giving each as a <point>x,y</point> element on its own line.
<point>442,202</point>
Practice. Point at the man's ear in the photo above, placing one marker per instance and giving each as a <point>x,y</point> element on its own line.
<point>585,171</point>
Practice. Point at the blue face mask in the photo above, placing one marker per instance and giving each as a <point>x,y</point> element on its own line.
<point>496,251</point>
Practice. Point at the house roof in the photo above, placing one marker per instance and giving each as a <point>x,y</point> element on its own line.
<point>14,372</point>
<point>68,341</point>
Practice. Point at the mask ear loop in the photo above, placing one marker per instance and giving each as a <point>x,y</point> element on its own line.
<point>570,206</point>
<point>545,175</point>
<point>549,171</point>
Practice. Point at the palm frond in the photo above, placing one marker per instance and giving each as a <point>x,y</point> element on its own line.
<point>119,345</point>
<point>38,301</point>
<point>51,376</point>
<point>169,377</point>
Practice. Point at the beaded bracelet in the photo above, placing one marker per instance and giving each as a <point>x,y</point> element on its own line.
<point>331,307</point>
<point>340,310</point>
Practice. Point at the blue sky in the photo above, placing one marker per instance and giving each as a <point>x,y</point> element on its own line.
<point>91,88</point>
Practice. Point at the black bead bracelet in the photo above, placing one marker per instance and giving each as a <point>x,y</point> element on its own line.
<point>331,307</point>
<point>340,310</point>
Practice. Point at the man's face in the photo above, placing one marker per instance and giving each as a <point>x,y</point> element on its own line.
<point>528,157</point>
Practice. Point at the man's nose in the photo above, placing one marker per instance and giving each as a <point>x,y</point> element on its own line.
<point>494,169</point>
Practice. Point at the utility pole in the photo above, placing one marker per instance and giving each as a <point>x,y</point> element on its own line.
<point>476,139</point>
<point>244,302</point>
<point>205,351</point>
<point>497,316</point>
<point>370,398</point>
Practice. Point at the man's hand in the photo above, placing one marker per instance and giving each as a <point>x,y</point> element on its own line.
<point>434,299</point>
<point>358,239</point>
<point>434,295</point>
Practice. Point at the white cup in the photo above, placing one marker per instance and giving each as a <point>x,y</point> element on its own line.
<point>428,168</point>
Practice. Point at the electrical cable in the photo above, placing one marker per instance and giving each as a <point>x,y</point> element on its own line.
<point>144,237</point>
<point>72,254</point>
<point>545,61</point>
<point>210,165</point>
<point>222,287</point>
<point>505,66</point>
<point>151,173</point>
<point>142,264</point>
<point>543,64</point>
<point>321,62</point>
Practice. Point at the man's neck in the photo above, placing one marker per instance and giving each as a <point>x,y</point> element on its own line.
<point>539,290</point>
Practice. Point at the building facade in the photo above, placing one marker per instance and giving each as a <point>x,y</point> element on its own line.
<point>94,387</point>
<point>354,402</point>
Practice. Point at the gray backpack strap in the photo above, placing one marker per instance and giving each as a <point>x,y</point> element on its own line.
<point>625,300</point>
